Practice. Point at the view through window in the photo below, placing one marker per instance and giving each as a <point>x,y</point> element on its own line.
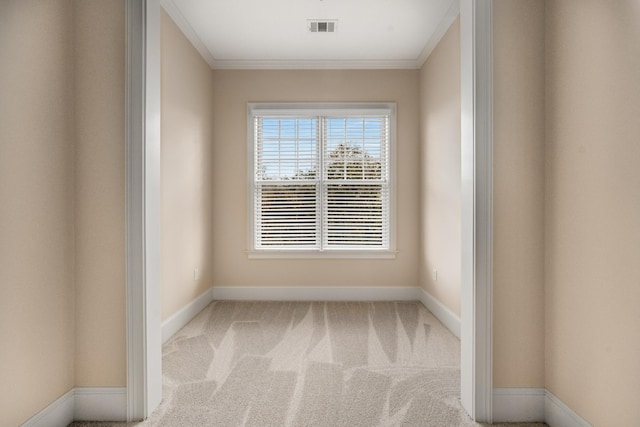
<point>321,179</point>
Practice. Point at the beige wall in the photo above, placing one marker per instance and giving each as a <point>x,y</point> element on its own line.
<point>100,193</point>
<point>186,170</point>
<point>62,191</point>
<point>593,208</point>
<point>62,305</point>
<point>233,89</point>
<point>518,193</point>
<point>440,190</point>
<point>36,207</point>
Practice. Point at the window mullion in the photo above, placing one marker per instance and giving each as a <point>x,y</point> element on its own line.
<point>257,161</point>
<point>321,188</point>
<point>352,184</point>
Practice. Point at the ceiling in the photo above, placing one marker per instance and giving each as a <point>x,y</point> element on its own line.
<point>274,34</point>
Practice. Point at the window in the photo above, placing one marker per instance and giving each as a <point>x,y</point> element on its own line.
<point>321,180</point>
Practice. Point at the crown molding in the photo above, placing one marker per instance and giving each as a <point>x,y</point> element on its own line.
<point>446,21</point>
<point>173,10</point>
<point>324,64</point>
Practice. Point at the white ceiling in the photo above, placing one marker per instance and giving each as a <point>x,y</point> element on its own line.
<point>273,34</point>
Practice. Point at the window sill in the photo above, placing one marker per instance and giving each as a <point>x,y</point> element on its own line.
<point>315,254</point>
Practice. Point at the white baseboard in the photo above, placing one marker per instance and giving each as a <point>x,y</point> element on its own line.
<point>446,316</point>
<point>557,414</point>
<point>58,414</point>
<point>83,404</point>
<point>533,405</point>
<point>109,404</point>
<point>177,321</point>
<point>518,405</point>
<point>300,293</point>
<point>100,404</point>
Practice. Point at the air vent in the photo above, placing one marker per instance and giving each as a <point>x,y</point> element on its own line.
<point>322,26</point>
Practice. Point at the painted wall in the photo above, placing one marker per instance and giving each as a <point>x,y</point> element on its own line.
<point>100,193</point>
<point>62,302</point>
<point>233,89</point>
<point>440,190</point>
<point>518,193</point>
<point>37,206</point>
<point>593,208</point>
<point>186,170</point>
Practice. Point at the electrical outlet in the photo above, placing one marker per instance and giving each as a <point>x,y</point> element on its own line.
<point>196,273</point>
<point>435,275</point>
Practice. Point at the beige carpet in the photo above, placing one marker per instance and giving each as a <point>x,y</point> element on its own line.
<point>306,364</point>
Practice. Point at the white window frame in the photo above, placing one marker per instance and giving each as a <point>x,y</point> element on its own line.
<point>320,109</point>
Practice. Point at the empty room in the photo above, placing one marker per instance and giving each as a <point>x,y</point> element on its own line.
<point>319,213</point>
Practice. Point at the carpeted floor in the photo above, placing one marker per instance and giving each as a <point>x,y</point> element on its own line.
<point>311,364</point>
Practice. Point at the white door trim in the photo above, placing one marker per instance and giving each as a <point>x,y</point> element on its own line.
<point>144,370</point>
<point>144,373</point>
<point>477,208</point>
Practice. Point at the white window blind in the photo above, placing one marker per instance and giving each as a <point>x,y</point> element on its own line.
<point>286,183</point>
<point>321,181</point>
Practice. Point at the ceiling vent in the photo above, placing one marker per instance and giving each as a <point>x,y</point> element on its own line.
<point>322,26</point>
